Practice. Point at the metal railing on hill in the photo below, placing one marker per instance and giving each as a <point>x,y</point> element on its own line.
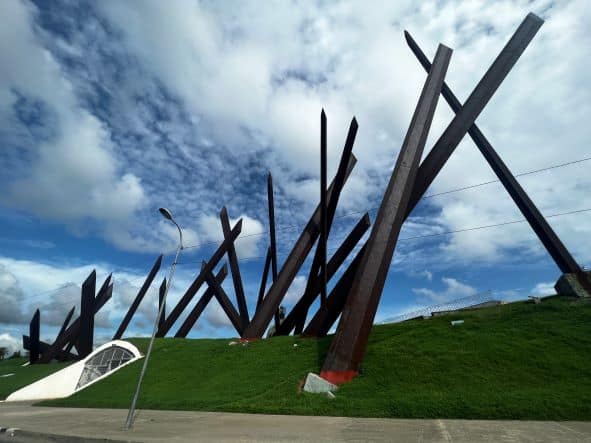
<point>460,303</point>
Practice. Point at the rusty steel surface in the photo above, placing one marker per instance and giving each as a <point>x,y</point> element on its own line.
<point>72,333</point>
<point>161,294</point>
<point>44,347</point>
<point>201,305</point>
<point>339,183</point>
<point>290,268</point>
<point>34,331</point>
<point>66,322</point>
<point>199,280</point>
<point>301,307</point>
<point>272,239</point>
<point>264,277</point>
<point>322,238</point>
<point>223,299</point>
<point>560,254</point>
<point>234,269</point>
<point>86,334</point>
<point>138,299</point>
<point>348,346</point>
<point>327,315</point>
<point>473,106</point>
<point>70,336</point>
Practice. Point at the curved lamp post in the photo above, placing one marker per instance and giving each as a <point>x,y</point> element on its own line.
<point>130,415</point>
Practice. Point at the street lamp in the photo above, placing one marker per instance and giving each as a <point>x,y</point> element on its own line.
<point>168,215</point>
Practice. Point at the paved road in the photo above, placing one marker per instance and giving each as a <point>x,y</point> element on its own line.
<point>182,426</point>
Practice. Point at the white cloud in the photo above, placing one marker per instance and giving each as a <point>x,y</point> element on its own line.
<point>11,343</point>
<point>352,63</point>
<point>453,290</point>
<point>215,315</point>
<point>248,83</point>
<point>55,288</point>
<point>74,175</point>
<point>544,288</point>
<point>210,229</point>
<point>11,296</point>
<point>428,275</point>
<point>296,290</point>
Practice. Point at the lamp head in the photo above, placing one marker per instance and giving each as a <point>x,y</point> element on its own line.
<point>165,213</point>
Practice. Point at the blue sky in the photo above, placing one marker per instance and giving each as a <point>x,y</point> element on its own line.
<point>111,109</point>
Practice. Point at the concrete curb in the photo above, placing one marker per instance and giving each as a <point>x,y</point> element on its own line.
<point>17,435</point>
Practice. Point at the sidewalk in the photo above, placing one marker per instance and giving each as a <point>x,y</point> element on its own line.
<point>185,426</point>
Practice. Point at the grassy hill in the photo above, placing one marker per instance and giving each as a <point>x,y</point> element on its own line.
<point>23,375</point>
<point>515,361</point>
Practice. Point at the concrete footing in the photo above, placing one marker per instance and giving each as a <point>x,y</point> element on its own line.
<point>573,285</point>
<point>318,385</point>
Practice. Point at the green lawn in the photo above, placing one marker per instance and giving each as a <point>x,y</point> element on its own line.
<point>516,361</point>
<point>22,375</point>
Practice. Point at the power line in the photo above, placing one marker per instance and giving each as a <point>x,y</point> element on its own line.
<point>66,285</point>
<point>291,227</point>
<point>473,228</point>
<point>283,253</point>
<point>451,191</point>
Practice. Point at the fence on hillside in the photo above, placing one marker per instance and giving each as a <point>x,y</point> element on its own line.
<point>460,303</point>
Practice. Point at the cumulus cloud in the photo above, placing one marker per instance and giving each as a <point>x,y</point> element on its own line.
<point>12,344</point>
<point>74,174</point>
<point>11,298</point>
<point>190,104</point>
<point>544,288</point>
<point>210,230</point>
<point>215,315</point>
<point>453,289</point>
<point>338,60</point>
<point>428,275</point>
<point>296,289</point>
<point>54,289</point>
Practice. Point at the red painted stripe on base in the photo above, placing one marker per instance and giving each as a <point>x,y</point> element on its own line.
<point>246,340</point>
<point>338,377</point>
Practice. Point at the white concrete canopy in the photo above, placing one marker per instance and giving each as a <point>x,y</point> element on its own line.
<point>101,363</point>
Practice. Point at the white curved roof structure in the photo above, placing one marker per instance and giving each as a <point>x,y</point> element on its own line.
<point>101,363</point>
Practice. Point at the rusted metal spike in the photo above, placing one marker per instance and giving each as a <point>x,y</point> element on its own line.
<point>200,306</point>
<point>466,116</point>
<point>264,278</point>
<point>34,331</point>
<point>87,300</point>
<point>273,245</point>
<point>300,309</point>
<point>328,314</point>
<point>290,268</point>
<point>70,337</point>
<point>272,240</point>
<point>224,300</point>
<point>557,250</point>
<point>235,269</point>
<point>332,207</point>
<point>138,299</point>
<point>44,347</point>
<point>348,346</point>
<point>66,322</point>
<point>192,290</point>
<point>161,293</point>
<point>322,238</point>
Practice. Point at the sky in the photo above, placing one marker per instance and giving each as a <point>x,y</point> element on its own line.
<point>110,110</point>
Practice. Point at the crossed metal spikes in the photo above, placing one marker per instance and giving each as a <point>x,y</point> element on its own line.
<point>79,333</point>
<point>349,343</point>
<point>267,306</point>
<point>407,185</point>
<point>356,294</point>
